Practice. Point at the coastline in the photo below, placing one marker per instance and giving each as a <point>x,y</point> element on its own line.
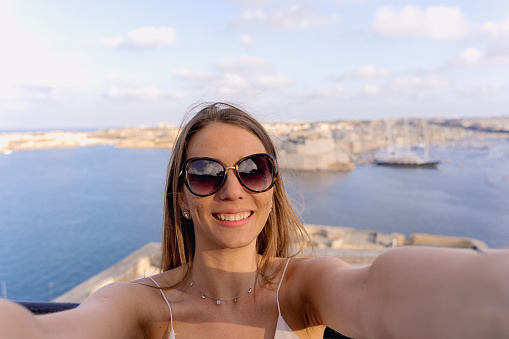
<point>318,146</point>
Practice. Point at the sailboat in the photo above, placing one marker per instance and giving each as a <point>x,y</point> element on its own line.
<point>398,156</point>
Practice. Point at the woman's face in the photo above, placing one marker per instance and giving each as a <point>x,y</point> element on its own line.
<point>215,217</point>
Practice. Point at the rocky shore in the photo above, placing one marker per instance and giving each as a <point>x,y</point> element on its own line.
<point>329,146</point>
<point>161,136</point>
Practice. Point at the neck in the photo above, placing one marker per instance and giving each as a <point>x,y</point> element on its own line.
<point>224,273</point>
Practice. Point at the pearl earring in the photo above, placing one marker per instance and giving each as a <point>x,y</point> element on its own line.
<point>186,214</point>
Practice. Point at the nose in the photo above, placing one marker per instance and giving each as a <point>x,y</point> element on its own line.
<point>232,188</point>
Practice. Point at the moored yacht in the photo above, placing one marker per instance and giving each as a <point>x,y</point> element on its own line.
<point>399,156</point>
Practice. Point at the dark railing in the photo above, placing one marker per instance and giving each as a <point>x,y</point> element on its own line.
<point>41,307</point>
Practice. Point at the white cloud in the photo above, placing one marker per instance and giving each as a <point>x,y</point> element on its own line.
<point>371,90</point>
<point>334,92</point>
<point>141,93</point>
<point>322,95</point>
<point>146,37</point>
<point>432,81</point>
<point>246,40</point>
<point>176,95</point>
<point>469,57</point>
<point>143,37</point>
<point>365,72</point>
<point>272,81</point>
<point>250,16</point>
<point>231,83</point>
<point>27,93</point>
<point>473,57</point>
<point>191,75</point>
<point>497,30</point>
<point>291,17</point>
<point>481,90</point>
<point>244,62</point>
<point>440,23</point>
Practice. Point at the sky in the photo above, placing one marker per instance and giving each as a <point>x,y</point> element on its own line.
<point>93,64</point>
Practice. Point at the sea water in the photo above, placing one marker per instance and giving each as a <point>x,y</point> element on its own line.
<point>67,214</point>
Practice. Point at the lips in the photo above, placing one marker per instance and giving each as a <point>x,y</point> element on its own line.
<point>232,216</point>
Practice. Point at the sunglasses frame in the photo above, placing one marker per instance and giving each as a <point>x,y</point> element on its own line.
<point>235,168</point>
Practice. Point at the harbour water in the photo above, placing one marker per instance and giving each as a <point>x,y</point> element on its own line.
<point>66,214</point>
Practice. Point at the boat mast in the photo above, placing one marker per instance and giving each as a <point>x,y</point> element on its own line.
<point>389,134</point>
<point>407,144</point>
<point>426,142</point>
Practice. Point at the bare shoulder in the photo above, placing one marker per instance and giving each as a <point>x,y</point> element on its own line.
<point>301,273</point>
<point>165,279</point>
<point>305,269</point>
<point>306,282</point>
<point>123,301</point>
<point>312,277</point>
<point>114,295</point>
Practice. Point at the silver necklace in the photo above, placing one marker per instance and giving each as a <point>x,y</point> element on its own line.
<point>219,300</point>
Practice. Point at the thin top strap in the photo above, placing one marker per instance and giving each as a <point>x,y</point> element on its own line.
<point>167,303</point>
<point>280,281</point>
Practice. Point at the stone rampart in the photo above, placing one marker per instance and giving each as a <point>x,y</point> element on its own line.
<point>356,247</point>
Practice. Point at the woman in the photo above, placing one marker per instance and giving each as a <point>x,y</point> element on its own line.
<point>228,235</point>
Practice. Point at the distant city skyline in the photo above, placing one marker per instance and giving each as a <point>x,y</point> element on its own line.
<point>71,64</point>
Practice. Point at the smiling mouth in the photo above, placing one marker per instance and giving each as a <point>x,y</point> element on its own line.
<point>232,217</point>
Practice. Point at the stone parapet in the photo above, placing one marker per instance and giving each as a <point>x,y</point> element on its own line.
<point>356,247</point>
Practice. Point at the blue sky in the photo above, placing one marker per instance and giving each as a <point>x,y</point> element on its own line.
<point>82,64</point>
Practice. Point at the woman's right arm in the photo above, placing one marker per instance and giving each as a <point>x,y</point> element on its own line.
<point>16,322</point>
<point>111,312</point>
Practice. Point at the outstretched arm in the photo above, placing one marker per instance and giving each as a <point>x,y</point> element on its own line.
<point>16,322</point>
<point>108,313</point>
<point>416,292</point>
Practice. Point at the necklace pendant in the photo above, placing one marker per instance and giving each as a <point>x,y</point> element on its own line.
<point>249,290</point>
<point>235,300</point>
<point>202,296</point>
<point>218,302</point>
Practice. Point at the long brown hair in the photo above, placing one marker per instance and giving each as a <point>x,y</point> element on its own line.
<point>283,234</point>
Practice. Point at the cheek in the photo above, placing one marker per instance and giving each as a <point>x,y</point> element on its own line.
<point>269,198</point>
<point>265,202</point>
<point>197,206</point>
<point>188,200</point>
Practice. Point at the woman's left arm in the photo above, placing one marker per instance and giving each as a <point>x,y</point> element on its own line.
<point>413,292</point>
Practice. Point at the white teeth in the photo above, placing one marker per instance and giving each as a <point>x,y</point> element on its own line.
<point>233,217</point>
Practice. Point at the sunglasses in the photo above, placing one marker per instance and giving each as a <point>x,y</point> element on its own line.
<point>205,176</point>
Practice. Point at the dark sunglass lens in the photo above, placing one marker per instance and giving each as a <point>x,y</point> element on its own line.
<point>205,176</point>
<point>256,172</point>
